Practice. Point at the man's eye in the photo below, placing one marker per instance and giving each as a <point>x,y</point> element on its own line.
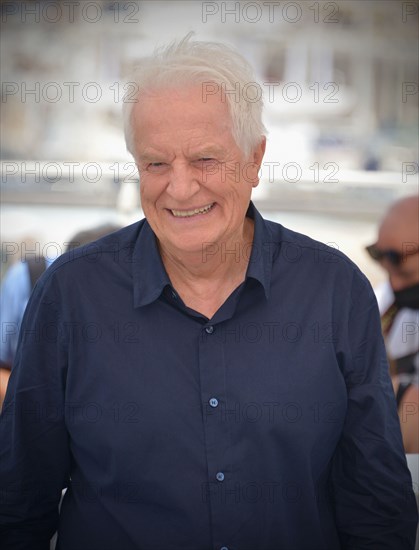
<point>206,160</point>
<point>156,166</point>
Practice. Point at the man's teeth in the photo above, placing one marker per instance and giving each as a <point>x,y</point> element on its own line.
<point>187,213</point>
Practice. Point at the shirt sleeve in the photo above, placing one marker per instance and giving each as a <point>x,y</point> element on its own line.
<point>372,490</point>
<point>34,450</point>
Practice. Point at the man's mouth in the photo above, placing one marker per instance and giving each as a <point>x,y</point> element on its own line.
<point>195,212</point>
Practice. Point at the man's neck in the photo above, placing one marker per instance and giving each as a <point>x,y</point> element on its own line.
<point>208,277</point>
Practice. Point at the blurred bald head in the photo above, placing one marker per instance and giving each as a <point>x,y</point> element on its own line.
<point>400,224</point>
<point>399,231</point>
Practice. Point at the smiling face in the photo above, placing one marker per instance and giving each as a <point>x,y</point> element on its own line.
<point>195,182</point>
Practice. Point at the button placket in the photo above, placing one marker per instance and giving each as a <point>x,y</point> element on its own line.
<point>212,367</point>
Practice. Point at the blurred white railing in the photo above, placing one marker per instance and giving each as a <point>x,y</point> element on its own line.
<point>282,187</point>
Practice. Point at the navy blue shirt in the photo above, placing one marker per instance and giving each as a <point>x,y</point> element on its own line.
<point>271,426</point>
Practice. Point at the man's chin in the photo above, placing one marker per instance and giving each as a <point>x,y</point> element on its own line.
<point>203,248</point>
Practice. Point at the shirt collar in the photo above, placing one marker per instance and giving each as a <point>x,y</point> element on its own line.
<point>150,277</point>
<point>261,257</point>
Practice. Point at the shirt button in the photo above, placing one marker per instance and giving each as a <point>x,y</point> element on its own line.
<point>220,476</point>
<point>224,548</point>
<point>174,295</point>
<point>213,402</point>
<point>209,330</point>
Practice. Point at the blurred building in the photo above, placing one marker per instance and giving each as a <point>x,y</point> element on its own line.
<point>340,83</point>
<point>341,78</point>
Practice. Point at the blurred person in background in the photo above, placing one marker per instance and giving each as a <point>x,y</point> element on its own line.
<point>397,250</point>
<point>398,299</point>
<point>16,288</point>
<point>144,393</point>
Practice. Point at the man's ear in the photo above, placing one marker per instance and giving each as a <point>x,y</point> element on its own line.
<point>257,158</point>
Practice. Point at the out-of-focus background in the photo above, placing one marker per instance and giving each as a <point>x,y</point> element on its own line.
<point>340,81</point>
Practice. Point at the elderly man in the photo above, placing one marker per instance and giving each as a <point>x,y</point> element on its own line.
<point>398,299</point>
<point>203,379</point>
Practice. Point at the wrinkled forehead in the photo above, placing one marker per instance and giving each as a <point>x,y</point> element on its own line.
<point>183,112</point>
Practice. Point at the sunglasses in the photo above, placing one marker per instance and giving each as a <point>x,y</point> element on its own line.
<point>394,257</point>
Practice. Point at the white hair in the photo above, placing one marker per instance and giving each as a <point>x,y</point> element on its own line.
<point>215,66</point>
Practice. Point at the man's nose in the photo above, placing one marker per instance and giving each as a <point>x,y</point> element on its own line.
<point>183,183</point>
